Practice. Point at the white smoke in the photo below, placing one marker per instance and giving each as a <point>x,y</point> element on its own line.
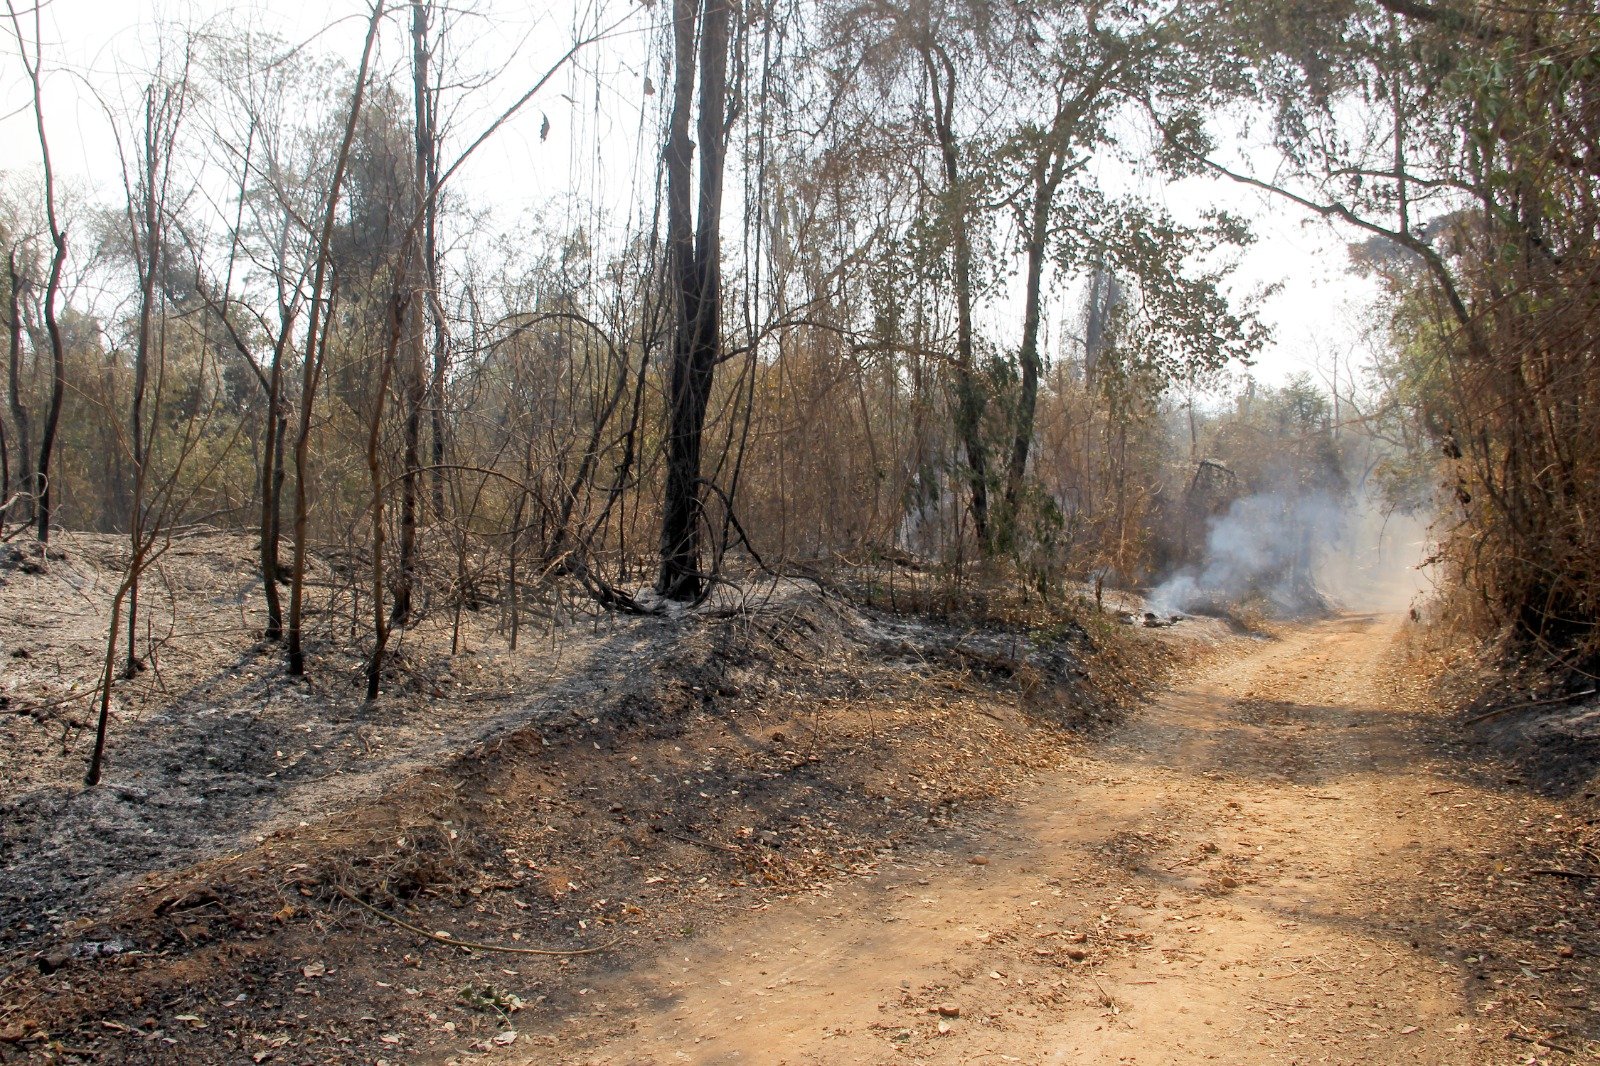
<point>1297,554</point>
<point>1380,562</point>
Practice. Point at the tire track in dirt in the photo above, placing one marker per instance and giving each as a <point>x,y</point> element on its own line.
<point>1241,875</point>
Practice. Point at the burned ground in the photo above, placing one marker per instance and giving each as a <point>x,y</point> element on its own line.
<point>619,785</point>
<point>275,873</point>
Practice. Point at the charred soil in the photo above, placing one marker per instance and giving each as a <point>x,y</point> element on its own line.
<point>236,890</point>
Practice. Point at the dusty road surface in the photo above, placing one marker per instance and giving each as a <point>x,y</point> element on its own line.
<point>1270,865</point>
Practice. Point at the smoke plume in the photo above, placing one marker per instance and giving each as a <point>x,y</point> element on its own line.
<point>1300,553</point>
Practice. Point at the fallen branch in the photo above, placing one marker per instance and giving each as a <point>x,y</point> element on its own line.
<point>1556,871</point>
<point>999,664</point>
<point>1540,1041</point>
<point>1498,711</point>
<point>712,844</point>
<point>36,709</point>
<point>468,945</point>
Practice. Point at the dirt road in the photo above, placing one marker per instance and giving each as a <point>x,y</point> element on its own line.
<point>1264,867</point>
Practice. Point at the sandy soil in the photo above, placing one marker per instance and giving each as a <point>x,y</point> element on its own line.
<point>1286,859</point>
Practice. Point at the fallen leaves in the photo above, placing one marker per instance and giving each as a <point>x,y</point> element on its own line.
<point>488,998</point>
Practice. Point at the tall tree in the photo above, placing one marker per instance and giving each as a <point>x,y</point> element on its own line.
<point>418,277</point>
<point>316,350</point>
<point>26,486</point>
<point>1078,68</point>
<point>693,278</point>
<point>30,54</point>
<point>148,214</point>
<point>943,88</point>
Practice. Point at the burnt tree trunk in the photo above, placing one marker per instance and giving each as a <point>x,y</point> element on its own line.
<point>381,628</point>
<point>277,428</point>
<point>417,281</point>
<point>971,397</point>
<point>19,409</point>
<point>1028,354</point>
<point>1047,176</point>
<point>311,364</point>
<point>694,280</point>
<point>58,381</point>
<point>52,290</point>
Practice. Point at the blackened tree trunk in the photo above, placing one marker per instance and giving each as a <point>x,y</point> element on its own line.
<point>29,51</point>
<point>58,378</point>
<point>58,353</point>
<point>277,429</point>
<point>414,395</point>
<point>417,280</point>
<point>381,628</point>
<point>427,161</point>
<point>971,396</point>
<point>275,432</point>
<point>19,409</point>
<point>694,279</point>
<point>311,364</point>
<point>1028,354</point>
<point>1049,170</point>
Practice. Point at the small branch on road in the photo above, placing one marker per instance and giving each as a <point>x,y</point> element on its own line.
<point>1540,1041</point>
<point>1556,871</point>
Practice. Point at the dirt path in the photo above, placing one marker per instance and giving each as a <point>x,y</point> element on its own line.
<point>1252,872</point>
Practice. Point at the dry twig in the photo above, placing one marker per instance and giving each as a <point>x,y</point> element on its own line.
<point>468,945</point>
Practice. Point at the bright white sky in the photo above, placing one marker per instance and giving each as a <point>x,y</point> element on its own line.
<point>101,46</point>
